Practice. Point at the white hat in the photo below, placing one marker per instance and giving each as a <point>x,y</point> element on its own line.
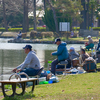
<point>72,48</point>
<point>88,36</point>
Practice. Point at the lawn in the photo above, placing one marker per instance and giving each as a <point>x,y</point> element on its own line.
<point>70,87</point>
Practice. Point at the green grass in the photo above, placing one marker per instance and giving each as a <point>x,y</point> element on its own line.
<point>71,87</point>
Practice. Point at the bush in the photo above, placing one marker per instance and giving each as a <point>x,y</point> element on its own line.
<point>33,34</point>
<point>96,28</point>
<point>2,29</point>
<point>76,28</point>
<point>47,34</point>
<point>24,35</point>
<point>15,29</point>
<point>40,29</point>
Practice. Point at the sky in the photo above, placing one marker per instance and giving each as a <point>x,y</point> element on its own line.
<point>39,2</point>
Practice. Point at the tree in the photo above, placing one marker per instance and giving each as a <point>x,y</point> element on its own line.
<point>54,15</point>
<point>25,19</point>
<point>4,16</point>
<point>48,19</point>
<point>67,8</point>
<point>34,5</point>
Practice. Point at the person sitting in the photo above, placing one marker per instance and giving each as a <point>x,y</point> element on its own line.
<point>72,34</point>
<point>98,50</point>
<point>31,64</point>
<point>19,35</point>
<point>61,53</point>
<point>73,54</point>
<point>84,55</point>
<point>90,43</point>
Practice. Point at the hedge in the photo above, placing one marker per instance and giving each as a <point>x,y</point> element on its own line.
<point>40,29</point>
<point>94,28</point>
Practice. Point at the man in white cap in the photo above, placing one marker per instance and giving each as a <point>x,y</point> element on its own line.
<point>73,54</point>
<point>90,43</point>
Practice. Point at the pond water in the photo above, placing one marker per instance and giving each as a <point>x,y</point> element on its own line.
<point>12,54</point>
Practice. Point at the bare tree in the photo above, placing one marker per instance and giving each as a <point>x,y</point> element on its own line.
<point>4,16</point>
<point>54,14</point>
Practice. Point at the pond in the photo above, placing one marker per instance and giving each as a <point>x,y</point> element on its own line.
<point>12,54</point>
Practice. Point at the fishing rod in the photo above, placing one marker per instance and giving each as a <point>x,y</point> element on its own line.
<point>10,72</point>
<point>44,61</point>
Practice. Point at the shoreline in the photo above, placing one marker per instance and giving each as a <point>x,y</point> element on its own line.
<point>44,42</point>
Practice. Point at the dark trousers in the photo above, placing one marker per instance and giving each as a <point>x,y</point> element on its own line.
<point>29,72</point>
<point>53,66</point>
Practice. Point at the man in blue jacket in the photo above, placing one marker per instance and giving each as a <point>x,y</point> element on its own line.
<point>61,53</point>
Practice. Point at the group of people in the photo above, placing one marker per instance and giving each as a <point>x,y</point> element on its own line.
<point>63,54</point>
<point>31,64</point>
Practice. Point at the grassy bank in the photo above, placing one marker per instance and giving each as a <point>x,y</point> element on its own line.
<point>71,87</point>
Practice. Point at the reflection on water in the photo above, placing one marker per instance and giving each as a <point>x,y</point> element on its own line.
<point>11,54</point>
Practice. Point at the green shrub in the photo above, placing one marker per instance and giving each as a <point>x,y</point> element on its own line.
<point>40,29</point>
<point>15,29</point>
<point>76,28</point>
<point>94,28</point>
<point>2,29</point>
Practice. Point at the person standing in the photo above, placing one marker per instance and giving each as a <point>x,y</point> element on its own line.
<point>31,64</point>
<point>61,53</point>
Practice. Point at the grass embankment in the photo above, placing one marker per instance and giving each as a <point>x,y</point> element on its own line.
<point>69,39</point>
<point>71,87</point>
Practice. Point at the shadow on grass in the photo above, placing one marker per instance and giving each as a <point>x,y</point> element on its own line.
<point>22,97</point>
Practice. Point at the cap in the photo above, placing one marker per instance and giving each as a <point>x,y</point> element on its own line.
<point>27,46</point>
<point>56,40</point>
<point>88,36</point>
<point>72,48</point>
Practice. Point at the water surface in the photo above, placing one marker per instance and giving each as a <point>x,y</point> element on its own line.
<point>12,54</point>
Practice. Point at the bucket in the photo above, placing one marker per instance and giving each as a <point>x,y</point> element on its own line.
<point>42,79</point>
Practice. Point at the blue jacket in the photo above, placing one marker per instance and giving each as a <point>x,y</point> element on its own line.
<point>62,52</point>
<point>98,45</point>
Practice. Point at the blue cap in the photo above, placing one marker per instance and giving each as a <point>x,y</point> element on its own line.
<point>56,40</point>
<point>27,46</point>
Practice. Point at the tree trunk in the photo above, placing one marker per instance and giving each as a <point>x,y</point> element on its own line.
<point>34,6</point>
<point>44,4</point>
<point>83,13</point>
<point>4,16</point>
<point>92,15</point>
<point>88,14</point>
<point>24,17</point>
<point>54,14</point>
<point>27,20</point>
